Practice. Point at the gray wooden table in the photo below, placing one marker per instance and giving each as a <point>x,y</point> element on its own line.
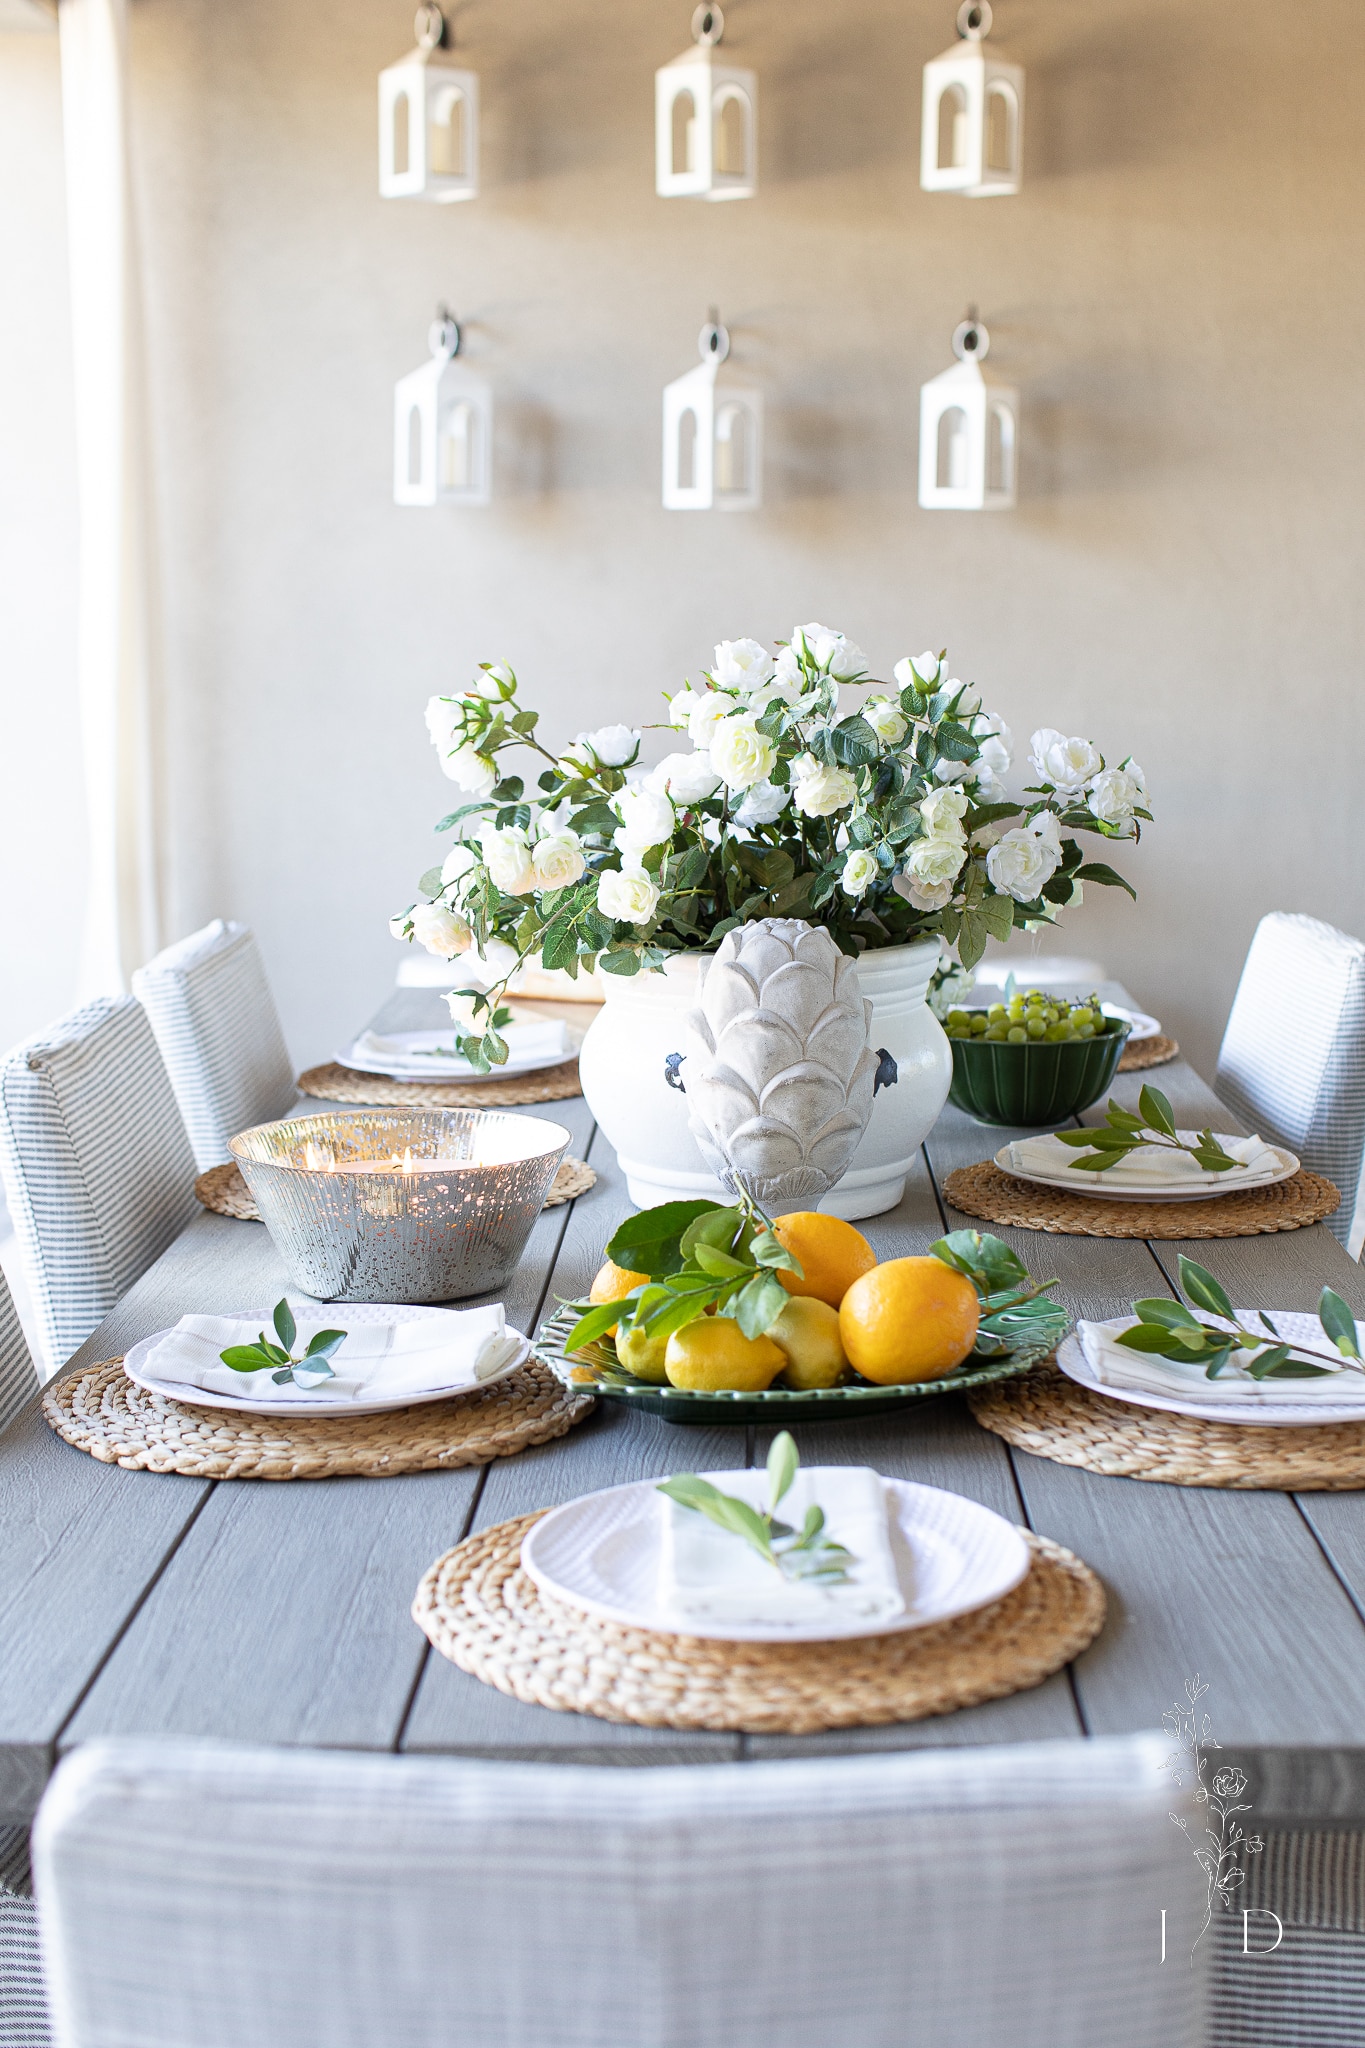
<point>278,1612</point>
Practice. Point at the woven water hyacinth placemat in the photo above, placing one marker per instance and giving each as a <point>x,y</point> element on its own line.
<point>1148,1052</point>
<point>223,1190</point>
<point>478,1607</point>
<point>100,1410</point>
<point>1048,1414</point>
<point>996,1197</point>
<point>335,1083</point>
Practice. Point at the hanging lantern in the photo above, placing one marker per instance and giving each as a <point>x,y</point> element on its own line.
<point>713,435</point>
<point>968,432</point>
<point>705,121</point>
<point>972,133</point>
<point>442,428</point>
<point>428,121</point>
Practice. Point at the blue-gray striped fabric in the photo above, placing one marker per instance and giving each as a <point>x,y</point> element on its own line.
<point>1292,1064</point>
<point>198,1895</point>
<point>17,1377</point>
<point>23,2002</point>
<point>1303,1985</point>
<point>98,1171</point>
<point>219,1032</point>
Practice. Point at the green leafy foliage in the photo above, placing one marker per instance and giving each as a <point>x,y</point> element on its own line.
<point>315,1363</point>
<point>1168,1329</point>
<point>807,1555</point>
<point>1123,1132</point>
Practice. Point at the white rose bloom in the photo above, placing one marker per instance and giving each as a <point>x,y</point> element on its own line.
<point>742,754</point>
<point>613,745</point>
<point>687,778</point>
<point>763,804</point>
<point>440,931</point>
<point>887,720</point>
<point>1047,827</point>
<point>627,894</point>
<point>646,819</point>
<point>496,683</point>
<point>787,668</point>
<point>924,895</point>
<point>458,863</point>
<point>943,811</point>
<point>557,860</point>
<point>995,757</point>
<point>445,722</point>
<point>829,651</point>
<point>1117,793</point>
<point>952,771</point>
<point>741,665</point>
<point>401,925</point>
<point>681,707</point>
<point>820,791</point>
<point>507,856</point>
<point>781,690</point>
<point>472,771</point>
<point>1066,763</point>
<point>921,670</point>
<point>576,759</point>
<point>935,861</point>
<point>860,872</point>
<point>707,714</point>
<point>1023,860</point>
<point>969,703</point>
<point>989,788</point>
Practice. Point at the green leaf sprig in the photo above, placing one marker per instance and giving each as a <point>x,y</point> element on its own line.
<point>1168,1329</point>
<point>1014,1309</point>
<point>1154,1125</point>
<point>314,1364</point>
<point>808,1556</point>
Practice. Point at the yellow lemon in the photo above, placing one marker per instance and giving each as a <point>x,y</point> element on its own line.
<point>613,1283</point>
<point>832,1253</point>
<point>808,1331</point>
<point>714,1354</point>
<point>643,1355</point>
<point>909,1319</point>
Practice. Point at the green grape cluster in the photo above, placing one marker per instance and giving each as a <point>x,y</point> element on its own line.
<point>1031,1019</point>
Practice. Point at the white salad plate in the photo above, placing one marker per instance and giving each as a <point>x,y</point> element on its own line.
<point>1143,1025</point>
<point>423,1059</point>
<point>1285,1414</point>
<point>602,1553</point>
<point>1238,1180</point>
<point>319,1402</point>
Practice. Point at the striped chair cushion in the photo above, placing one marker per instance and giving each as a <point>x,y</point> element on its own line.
<point>1305,1986</point>
<point>23,2001</point>
<point>219,1033</point>
<point>17,1377</point>
<point>98,1171</point>
<point>1001,1897</point>
<point>1292,1064</point>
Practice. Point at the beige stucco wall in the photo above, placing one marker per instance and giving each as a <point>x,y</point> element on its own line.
<point>1178,291</point>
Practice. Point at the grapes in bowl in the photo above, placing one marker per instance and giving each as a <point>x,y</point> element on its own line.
<point>1036,1059</point>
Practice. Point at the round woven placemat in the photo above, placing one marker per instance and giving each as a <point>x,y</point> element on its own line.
<point>1148,1052</point>
<point>997,1197</point>
<point>335,1083</point>
<point>479,1608</point>
<point>101,1411</point>
<point>1048,1414</point>
<point>223,1189</point>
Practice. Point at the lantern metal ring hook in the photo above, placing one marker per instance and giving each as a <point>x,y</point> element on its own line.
<point>445,336</point>
<point>708,26</point>
<point>713,343</point>
<point>971,342</point>
<point>429,28</point>
<point>974,20</point>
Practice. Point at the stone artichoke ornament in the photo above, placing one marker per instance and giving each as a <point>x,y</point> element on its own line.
<point>778,1069</point>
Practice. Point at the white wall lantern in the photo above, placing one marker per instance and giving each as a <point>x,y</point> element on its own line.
<point>713,435</point>
<point>442,428</point>
<point>428,121</point>
<point>968,432</point>
<point>705,121</point>
<point>972,132</point>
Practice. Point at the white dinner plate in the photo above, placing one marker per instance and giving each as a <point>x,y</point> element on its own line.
<point>319,1403</point>
<point>1074,1363</point>
<point>447,1067</point>
<point>1143,1025</point>
<point>1236,1182</point>
<point>601,1553</point>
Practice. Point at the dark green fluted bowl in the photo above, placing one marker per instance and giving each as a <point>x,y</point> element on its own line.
<point>1035,1083</point>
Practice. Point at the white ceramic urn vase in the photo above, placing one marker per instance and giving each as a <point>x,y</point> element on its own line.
<point>624,1069</point>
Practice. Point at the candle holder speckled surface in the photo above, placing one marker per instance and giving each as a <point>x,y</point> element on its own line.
<point>418,1205</point>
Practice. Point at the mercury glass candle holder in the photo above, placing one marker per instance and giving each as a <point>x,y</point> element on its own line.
<point>400,1205</point>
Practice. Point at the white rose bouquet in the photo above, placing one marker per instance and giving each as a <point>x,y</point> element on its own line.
<point>886,819</point>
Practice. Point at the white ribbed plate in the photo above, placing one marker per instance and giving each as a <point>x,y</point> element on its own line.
<point>1284,1415</point>
<point>1143,1025</point>
<point>601,1553</point>
<point>1238,1181</point>
<point>319,1403</point>
<point>445,1066</point>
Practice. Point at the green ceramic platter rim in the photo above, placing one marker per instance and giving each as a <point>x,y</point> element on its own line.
<point>780,1405</point>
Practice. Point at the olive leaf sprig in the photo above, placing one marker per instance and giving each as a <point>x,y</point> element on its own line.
<point>809,1556</point>
<point>1154,1125</point>
<point>314,1364</point>
<point>1170,1330</point>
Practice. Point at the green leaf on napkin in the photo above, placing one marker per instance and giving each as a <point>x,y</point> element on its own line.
<point>322,1346</point>
<point>809,1556</point>
<point>1167,1329</point>
<point>1339,1323</point>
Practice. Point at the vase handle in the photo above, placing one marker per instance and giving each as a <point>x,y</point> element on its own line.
<point>887,1073</point>
<point>672,1062</point>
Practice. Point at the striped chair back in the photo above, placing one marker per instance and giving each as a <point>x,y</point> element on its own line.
<point>99,1176</point>
<point>219,1032</point>
<point>17,1376</point>
<point>1292,1064</point>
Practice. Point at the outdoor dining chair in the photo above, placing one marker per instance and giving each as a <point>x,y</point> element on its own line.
<point>98,1172</point>
<point>23,2001</point>
<point>17,1376</point>
<point>1292,1063</point>
<point>241,1897</point>
<point>219,1032</point>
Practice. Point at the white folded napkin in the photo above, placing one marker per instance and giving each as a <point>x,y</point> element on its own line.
<point>1151,1166</point>
<point>1114,1365</point>
<point>429,1051</point>
<point>706,1574</point>
<point>443,1351</point>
